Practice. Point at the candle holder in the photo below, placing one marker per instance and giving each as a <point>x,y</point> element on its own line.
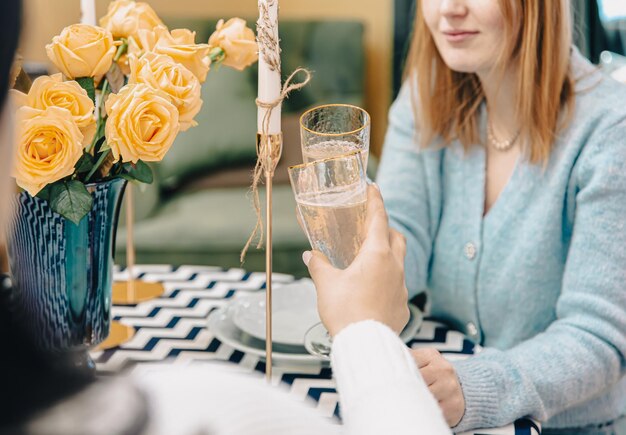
<point>269,148</point>
<point>118,335</point>
<point>133,291</point>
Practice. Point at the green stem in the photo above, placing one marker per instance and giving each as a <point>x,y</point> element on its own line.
<point>100,119</point>
<point>217,55</point>
<point>95,137</point>
<point>121,50</point>
<point>97,165</point>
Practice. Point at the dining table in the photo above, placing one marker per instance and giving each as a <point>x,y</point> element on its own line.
<point>173,329</point>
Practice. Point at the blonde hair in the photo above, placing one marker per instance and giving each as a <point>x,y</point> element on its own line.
<point>446,103</point>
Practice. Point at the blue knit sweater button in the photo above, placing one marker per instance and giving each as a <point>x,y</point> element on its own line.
<point>470,251</point>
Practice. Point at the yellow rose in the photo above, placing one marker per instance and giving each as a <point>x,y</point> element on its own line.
<point>82,51</point>
<point>49,143</point>
<point>142,123</point>
<point>179,45</point>
<point>124,18</point>
<point>164,73</point>
<point>52,91</point>
<point>237,41</point>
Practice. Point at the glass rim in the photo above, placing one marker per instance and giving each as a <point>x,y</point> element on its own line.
<point>352,106</point>
<point>337,157</point>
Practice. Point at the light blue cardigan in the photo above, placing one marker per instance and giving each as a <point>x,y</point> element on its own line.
<point>540,281</point>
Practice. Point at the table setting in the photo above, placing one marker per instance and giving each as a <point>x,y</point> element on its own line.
<point>193,323</point>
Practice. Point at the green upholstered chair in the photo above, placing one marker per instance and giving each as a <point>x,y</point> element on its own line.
<point>198,211</point>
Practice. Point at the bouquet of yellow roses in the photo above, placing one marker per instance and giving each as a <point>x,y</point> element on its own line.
<point>125,91</point>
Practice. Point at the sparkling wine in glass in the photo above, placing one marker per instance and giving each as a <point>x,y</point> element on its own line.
<point>332,199</point>
<point>331,196</point>
<point>335,228</point>
<point>334,130</point>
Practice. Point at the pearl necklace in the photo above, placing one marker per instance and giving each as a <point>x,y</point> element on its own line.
<point>500,145</point>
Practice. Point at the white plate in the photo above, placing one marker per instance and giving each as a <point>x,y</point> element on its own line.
<point>222,326</point>
<point>317,342</point>
<point>415,323</point>
<point>220,322</point>
<point>294,313</point>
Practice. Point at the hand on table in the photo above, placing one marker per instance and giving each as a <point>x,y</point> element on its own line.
<point>443,383</point>
<point>372,287</point>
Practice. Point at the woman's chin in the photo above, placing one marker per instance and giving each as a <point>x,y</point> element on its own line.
<point>463,67</point>
<point>465,63</point>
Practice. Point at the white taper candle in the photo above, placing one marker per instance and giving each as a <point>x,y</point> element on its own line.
<point>88,12</point>
<point>269,73</point>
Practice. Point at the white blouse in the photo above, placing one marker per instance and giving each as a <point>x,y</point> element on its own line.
<point>381,389</point>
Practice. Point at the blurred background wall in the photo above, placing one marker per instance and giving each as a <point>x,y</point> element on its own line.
<point>46,18</point>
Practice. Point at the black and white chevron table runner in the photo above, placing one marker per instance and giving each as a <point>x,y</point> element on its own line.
<point>173,330</point>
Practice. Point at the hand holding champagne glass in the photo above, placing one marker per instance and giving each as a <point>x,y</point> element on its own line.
<point>372,287</point>
<point>332,203</point>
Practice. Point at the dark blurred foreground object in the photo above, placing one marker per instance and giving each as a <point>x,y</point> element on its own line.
<point>30,380</point>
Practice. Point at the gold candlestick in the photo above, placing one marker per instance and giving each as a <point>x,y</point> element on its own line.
<point>269,148</point>
<point>131,291</point>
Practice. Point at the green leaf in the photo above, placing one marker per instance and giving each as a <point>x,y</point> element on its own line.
<point>71,200</point>
<point>87,84</point>
<point>139,171</point>
<point>84,164</point>
<point>144,172</point>
<point>45,193</point>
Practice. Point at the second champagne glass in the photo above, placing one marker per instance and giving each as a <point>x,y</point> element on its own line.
<point>333,130</point>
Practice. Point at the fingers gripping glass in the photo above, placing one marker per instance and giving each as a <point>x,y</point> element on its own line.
<point>332,203</point>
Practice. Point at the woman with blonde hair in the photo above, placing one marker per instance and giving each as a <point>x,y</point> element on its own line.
<point>504,166</point>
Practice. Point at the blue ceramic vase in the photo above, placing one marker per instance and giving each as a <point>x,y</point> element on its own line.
<point>63,272</point>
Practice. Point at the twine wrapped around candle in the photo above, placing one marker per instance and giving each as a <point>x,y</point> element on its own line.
<point>265,163</point>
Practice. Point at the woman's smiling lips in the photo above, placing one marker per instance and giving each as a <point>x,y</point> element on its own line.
<point>459,35</point>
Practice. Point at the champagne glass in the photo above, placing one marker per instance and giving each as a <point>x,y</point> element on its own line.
<point>331,195</point>
<point>334,130</point>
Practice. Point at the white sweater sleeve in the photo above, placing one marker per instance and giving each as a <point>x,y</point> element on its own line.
<point>381,390</point>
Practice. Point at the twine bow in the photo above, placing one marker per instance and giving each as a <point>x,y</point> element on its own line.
<point>266,163</point>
